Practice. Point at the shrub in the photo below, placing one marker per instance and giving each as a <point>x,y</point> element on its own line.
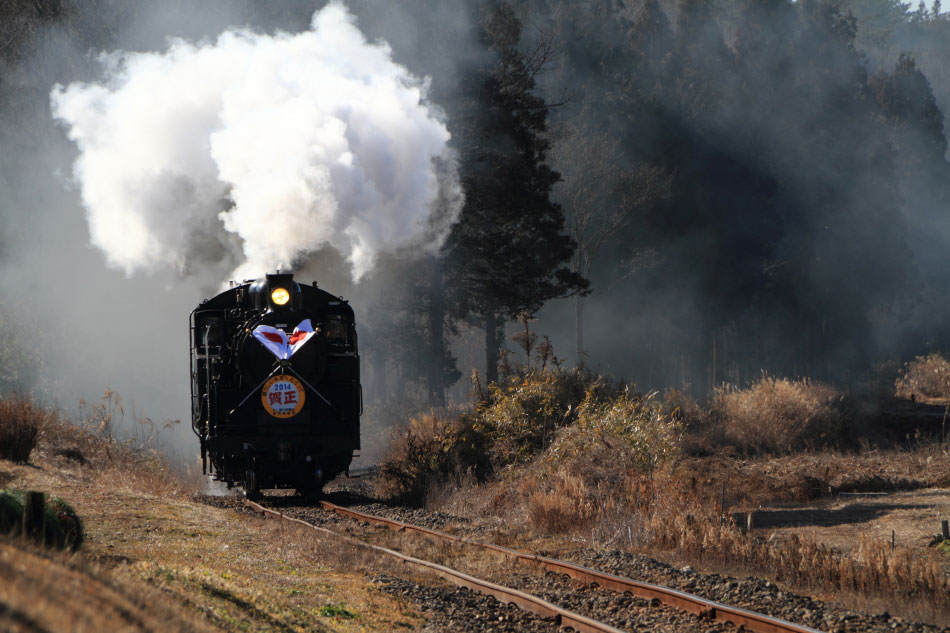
<point>430,450</point>
<point>63,528</point>
<point>11,512</point>
<point>633,432</point>
<point>599,469</point>
<point>925,375</point>
<point>90,442</point>
<point>780,415</point>
<point>68,522</point>
<point>140,461</point>
<point>523,414</point>
<point>513,422</point>
<point>416,454</point>
<point>21,423</point>
<point>683,408</point>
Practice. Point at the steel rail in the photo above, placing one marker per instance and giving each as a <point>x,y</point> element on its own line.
<point>506,595</point>
<point>752,621</point>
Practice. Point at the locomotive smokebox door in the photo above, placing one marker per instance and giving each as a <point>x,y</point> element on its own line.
<point>275,384</point>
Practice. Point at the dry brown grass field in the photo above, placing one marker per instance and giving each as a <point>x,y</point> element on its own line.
<point>554,460</point>
<point>831,546</point>
<point>155,558</point>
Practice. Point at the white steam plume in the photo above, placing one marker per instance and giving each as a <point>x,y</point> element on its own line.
<point>289,142</point>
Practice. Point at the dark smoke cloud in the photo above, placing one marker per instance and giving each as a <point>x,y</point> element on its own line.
<point>800,234</point>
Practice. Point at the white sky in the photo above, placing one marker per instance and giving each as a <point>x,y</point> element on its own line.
<point>929,3</point>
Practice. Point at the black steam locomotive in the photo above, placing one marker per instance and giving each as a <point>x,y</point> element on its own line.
<point>275,385</point>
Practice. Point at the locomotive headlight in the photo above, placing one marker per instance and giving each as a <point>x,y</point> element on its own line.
<point>280,296</point>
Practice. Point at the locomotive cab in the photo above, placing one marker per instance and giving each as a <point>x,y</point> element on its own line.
<point>276,396</point>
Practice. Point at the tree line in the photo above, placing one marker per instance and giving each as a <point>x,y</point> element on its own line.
<point>716,187</point>
<point>734,186</point>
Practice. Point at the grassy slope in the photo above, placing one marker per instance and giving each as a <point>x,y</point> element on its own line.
<point>155,562</point>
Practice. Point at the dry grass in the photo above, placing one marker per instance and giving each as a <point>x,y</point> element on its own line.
<point>21,425</point>
<point>562,415</point>
<point>682,406</point>
<point>136,463</point>
<point>584,496</point>
<point>902,575</point>
<point>512,423</point>
<point>168,563</point>
<point>807,476</point>
<point>631,431</point>
<point>261,575</point>
<point>562,507</point>
<point>43,591</point>
<point>663,518</point>
<point>153,564</point>
<point>674,513</point>
<point>522,415</point>
<point>613,446</point>
<point>927,376</point>
<point>580,422</point>
<point>778,415</point>
<point>612,469</point>
<point>416,457</point>
<point>153,559</point>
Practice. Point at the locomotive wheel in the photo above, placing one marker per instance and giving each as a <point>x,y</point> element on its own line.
<point>251,491</point>
<point>311,490</point>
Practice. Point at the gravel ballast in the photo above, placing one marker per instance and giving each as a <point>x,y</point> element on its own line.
<point>456,609</point>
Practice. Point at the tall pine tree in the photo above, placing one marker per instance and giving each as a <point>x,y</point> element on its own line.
<point>507,253</point>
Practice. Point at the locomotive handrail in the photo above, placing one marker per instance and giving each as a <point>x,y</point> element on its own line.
<point>209,391</point>
<point>193,369</point>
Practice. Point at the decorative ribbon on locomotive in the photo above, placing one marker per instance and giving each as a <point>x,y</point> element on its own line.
<point>272,409</point>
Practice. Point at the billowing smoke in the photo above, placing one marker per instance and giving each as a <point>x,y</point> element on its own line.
<point>258,150</point>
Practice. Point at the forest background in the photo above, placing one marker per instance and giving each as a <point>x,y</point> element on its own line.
<point>680,192</point>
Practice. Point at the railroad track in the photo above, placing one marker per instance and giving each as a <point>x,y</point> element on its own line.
<point>704,609</point>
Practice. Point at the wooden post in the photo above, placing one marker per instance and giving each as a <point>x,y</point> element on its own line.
<point>34,516</point>
<point>893,541</point>
<point>722,504</point>
<point>713,385</point>
<point>748,522</point>
<point>945,529</point>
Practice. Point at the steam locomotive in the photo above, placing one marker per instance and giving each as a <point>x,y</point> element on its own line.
<point>275,385</point>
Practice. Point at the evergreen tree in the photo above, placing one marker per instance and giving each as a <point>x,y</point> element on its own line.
<point>405,327</point>
<point>506,254</point>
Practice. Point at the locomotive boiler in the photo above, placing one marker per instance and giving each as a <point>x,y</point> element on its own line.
<point>275,385</point>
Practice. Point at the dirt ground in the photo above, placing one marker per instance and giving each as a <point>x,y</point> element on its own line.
<point>913,518</point>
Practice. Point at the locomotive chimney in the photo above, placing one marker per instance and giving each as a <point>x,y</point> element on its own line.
<point>276,292</point>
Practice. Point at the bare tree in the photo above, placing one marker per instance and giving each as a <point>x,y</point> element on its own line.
<point>601,193</point>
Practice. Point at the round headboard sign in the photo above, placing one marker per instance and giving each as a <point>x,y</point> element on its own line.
<point>283,396</point>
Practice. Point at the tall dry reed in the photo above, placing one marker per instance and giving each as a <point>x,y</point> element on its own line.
<point>779,415</point>
<point>927,376</point>
<point>21,425</point>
